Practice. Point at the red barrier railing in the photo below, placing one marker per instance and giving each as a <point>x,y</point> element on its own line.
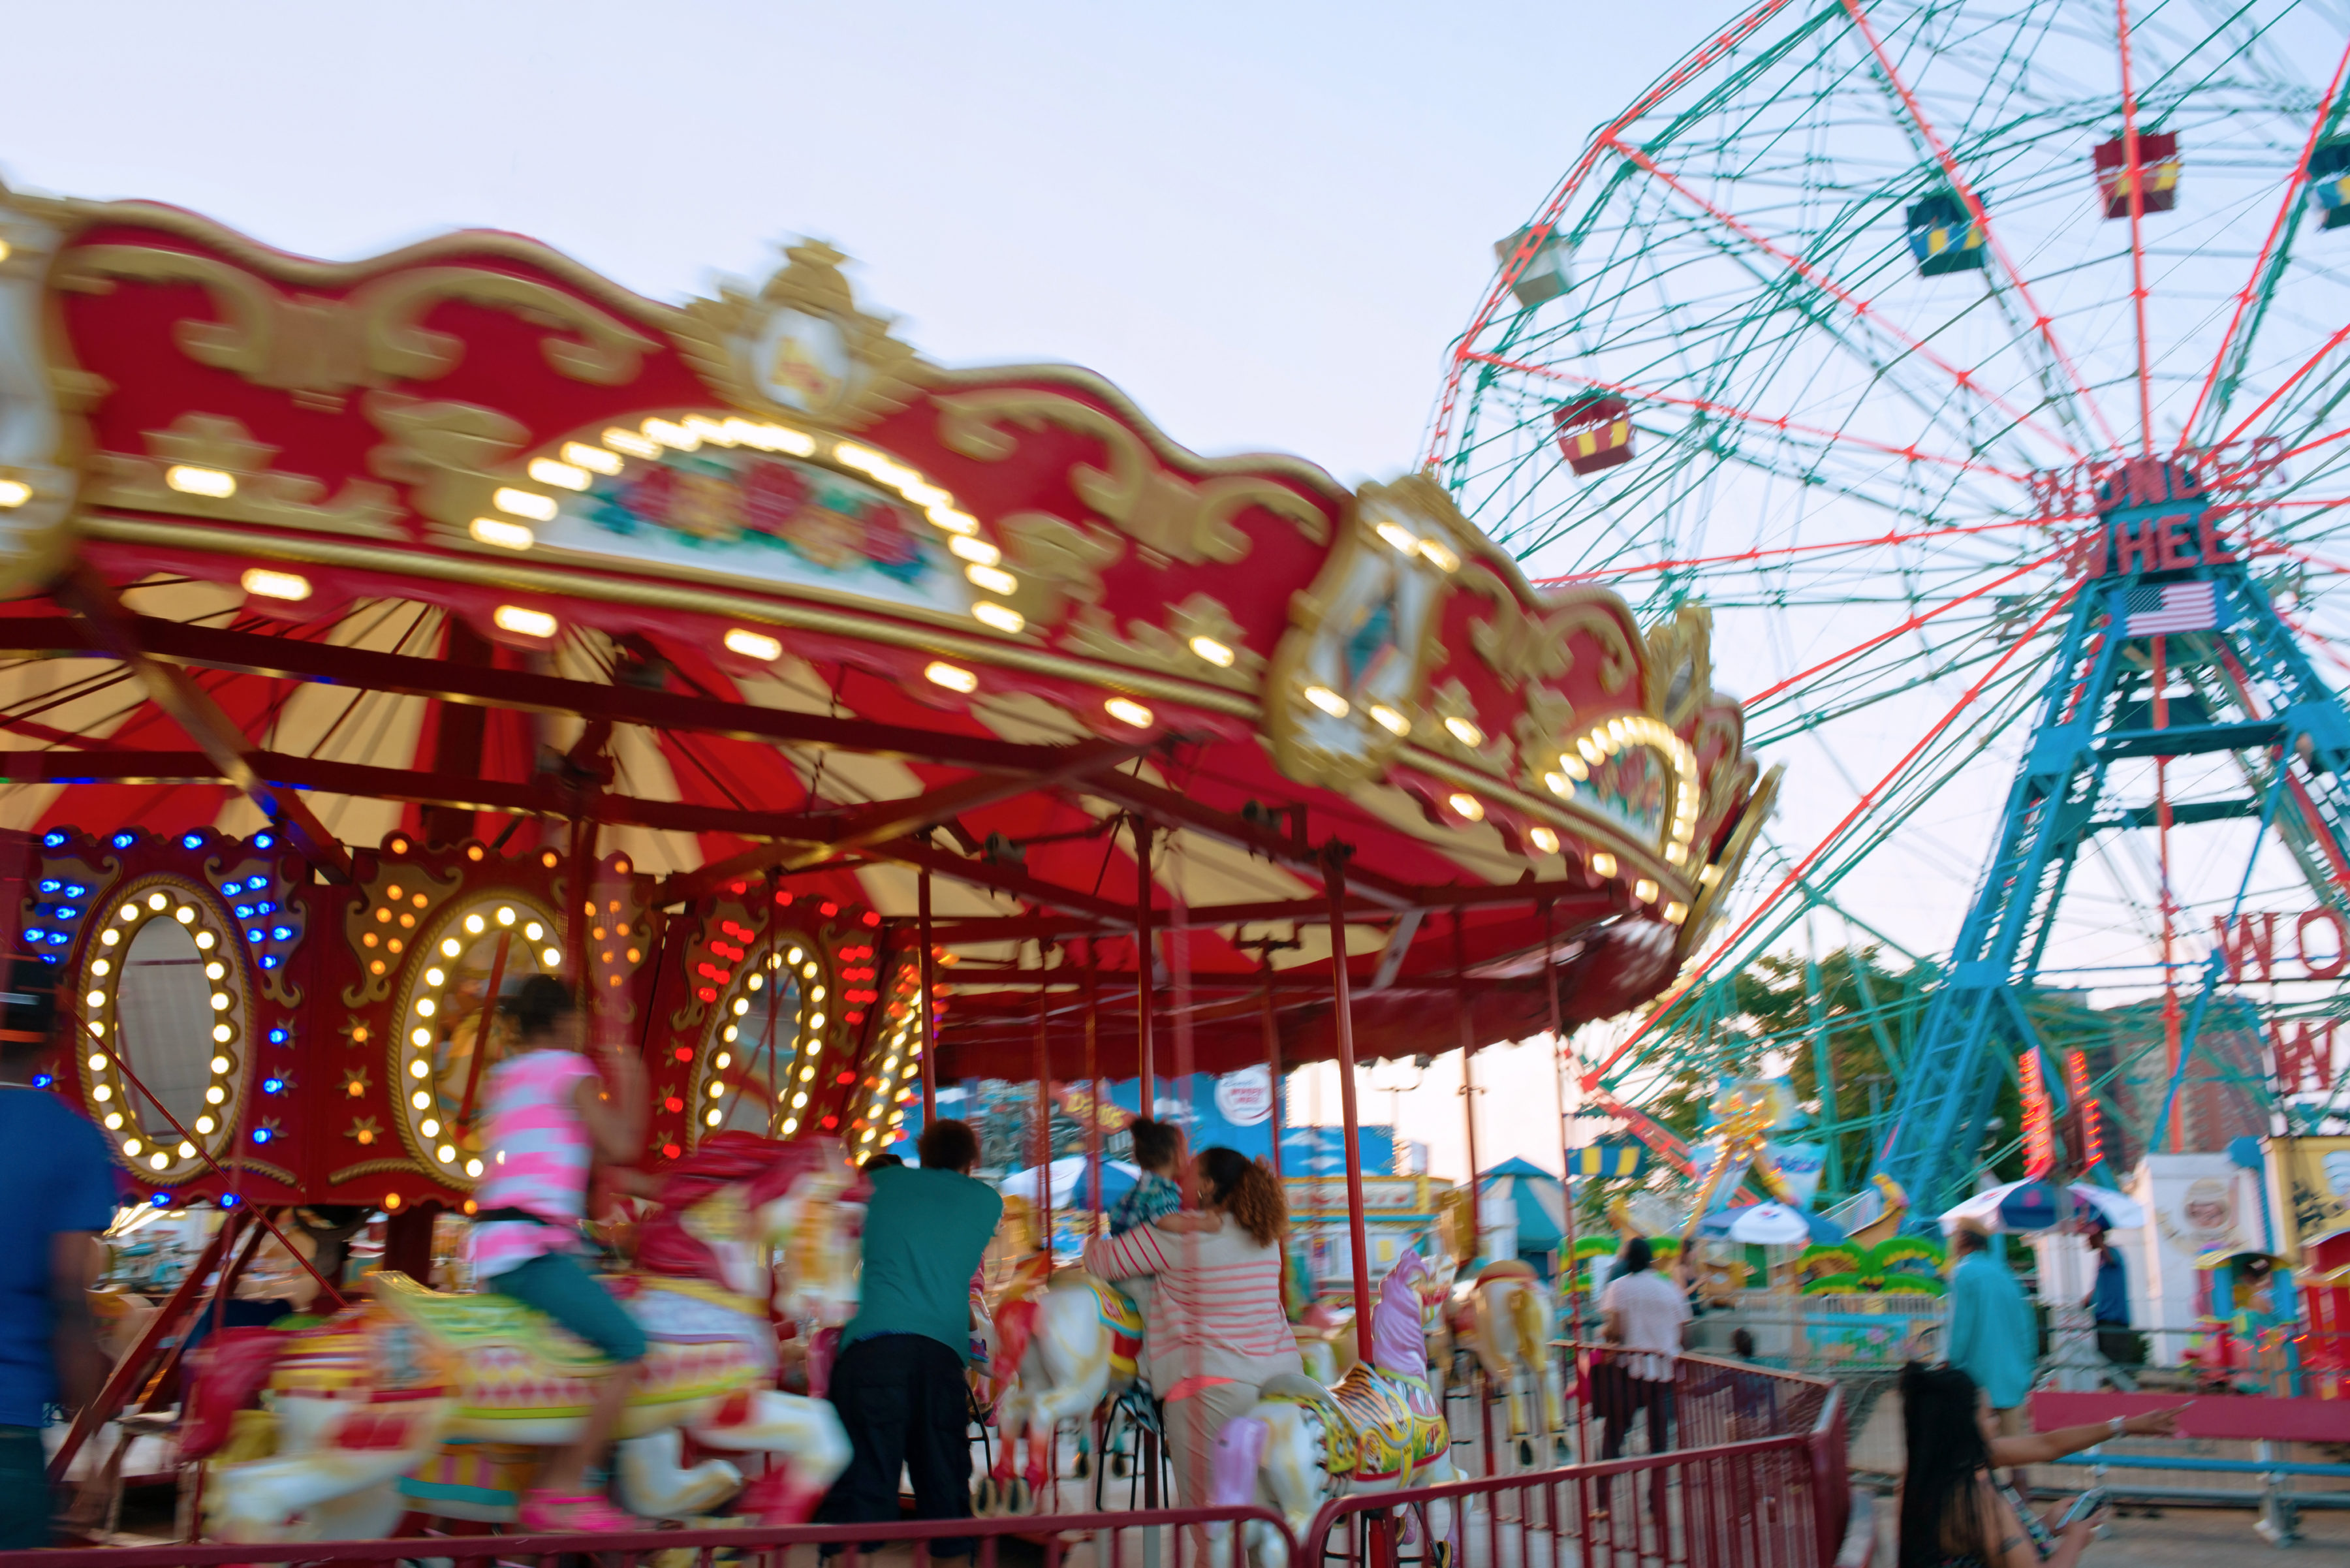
<point>1115,1539</point>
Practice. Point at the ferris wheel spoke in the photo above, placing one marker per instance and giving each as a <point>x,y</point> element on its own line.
<point>2041,320</point>
<point>1764,553</point>
<point>1964,380</point>
<point>2136,175</point>
<point>1868,800</point>
<point>2312,363</point>
<point>1906,627</point>
<point>1779,422</point>
<point>2266,269</point>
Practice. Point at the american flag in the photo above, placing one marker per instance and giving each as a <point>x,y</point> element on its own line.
<point>2174,606</point>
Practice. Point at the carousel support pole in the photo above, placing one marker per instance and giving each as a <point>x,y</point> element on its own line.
<point>1272,1053</point>
<point>1043,1128</point>
<point>1334,884</point>
<point>929,1012</point>
<point>1468,1078</point>
<point>1148,1101</point>
<point>1093,1093</point>
<point>1566,1163</point>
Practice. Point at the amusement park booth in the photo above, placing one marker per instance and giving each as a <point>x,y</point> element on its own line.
<point>383,633</point>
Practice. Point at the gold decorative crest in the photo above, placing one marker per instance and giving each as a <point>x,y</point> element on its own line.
<point>800,347</point>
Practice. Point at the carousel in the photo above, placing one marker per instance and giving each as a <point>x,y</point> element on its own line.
<point>838,724</point>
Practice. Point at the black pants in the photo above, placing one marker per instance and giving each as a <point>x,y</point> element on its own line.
<point>902,1399</point>
<point>1638,1394</point>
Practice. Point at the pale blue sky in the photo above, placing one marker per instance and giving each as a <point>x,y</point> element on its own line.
<point>1265,222</point>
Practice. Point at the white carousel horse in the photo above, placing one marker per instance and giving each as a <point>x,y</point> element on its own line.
<point>416,1400</point>
<point>1505,1318</point>
<point>1062,1345</point>
<point>1381,1429</point>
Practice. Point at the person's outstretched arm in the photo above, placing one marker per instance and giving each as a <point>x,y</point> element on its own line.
<point>2047,1448</point>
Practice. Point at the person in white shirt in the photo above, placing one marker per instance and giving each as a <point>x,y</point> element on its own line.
<point>1648,1316</point>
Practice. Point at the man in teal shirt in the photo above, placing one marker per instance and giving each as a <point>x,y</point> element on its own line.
<point>1993,1335</point>
<point>898,1385</point>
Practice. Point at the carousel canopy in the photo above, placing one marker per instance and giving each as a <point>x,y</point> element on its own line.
<point>744,600</point>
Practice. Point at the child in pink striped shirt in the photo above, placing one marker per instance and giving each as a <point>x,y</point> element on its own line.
<point>552,1117</point>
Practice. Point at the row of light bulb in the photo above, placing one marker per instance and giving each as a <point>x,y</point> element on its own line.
<point>113,1116</point>
<point>427,1006</point>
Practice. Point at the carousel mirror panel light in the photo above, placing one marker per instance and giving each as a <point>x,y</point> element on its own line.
<point>165,992</point>
<point>761,1049</point>
<point>448,1035</point>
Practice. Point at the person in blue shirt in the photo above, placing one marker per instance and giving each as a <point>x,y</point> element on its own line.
<point>2109,1303</point>
<point>1995,1337</point>
<point>56,1197</point>
<point>1158,1151</point>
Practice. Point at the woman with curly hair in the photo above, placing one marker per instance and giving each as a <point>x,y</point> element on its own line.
<point>1214,1328</point>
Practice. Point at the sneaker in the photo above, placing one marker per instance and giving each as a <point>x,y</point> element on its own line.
<point>543,1513</point>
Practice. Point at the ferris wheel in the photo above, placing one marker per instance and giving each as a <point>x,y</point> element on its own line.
<point>1889,331</point>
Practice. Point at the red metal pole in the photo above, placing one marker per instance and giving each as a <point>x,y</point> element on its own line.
<point>1334,884</point>
<point>1566,1153</point>
<point>1144,1065</point>
<point>1468,1081</point>
<point>1043,1131</point>
<point>1272,1056</point>
<point>1093,1093</point>
<point>930,1010</point>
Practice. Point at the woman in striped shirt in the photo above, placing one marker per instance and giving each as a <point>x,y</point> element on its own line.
<point>1215,1330</point>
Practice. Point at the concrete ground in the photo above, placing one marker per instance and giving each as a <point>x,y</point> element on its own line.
<point>2189,1538</point>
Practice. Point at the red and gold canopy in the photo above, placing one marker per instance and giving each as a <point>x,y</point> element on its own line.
<point>467,573</point>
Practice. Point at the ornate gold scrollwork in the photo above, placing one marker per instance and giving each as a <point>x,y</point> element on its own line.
<point>1520,647</point>
<point>1169,517</point>
<point>1450,701</point>
<point>1169,648</point>
<point>1543,729</point>
<point>217,444</point>
<point>318,349</point>
<point>1707,907</point>
<point>447,454</point>
<point>1056,562</point>
<point>739,344</point>
<point>383,930</point>
<point>1679,671</point>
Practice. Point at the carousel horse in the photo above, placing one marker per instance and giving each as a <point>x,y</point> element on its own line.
<point>416,1400</point>
<point>1504,1318</point>
<point>1381,1429</point>
<point>1063,1343</point>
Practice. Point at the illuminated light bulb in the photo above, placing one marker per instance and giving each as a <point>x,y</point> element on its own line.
<point>109,935</point>
<point>130,1145</point>
<point>979,552</point>
<point>421,1068</point>
<point>157,900</point>
<point>114,1120</point>
<point>157,1160</point>
<point>711,432</point>
<point>97,1062</point>
<point>1467,805</point>
<point>631,442</point>
<point>1676,853</point>
<point>1560,786</point>
<point>421,1037</point>
<point>205,1124</point>
<point>474,925</point>
<point>717,1091</point>
<point>1329,701</point>
<point>220,1064</point>
<point>1467,733</point>
<point>730,1033</point>
<point>799,1099</point>
<point>952,521</point>
<point>187,1149</point>
<point>444,1154</point>
<point>1589,748</point>
<point>1401,537</point>
<point>435,976</point>
<point>1127,711</point>
<point>756,645</point>
<point>791,1125</point>
<point>993,580</point>
<point>756,982</point>
<point>715,1117</point>
<point>1645,891</point>
<point>1604,864</point>
<point>1390,720</point>
<point>421,1100</point>
<point>216,971</point>
<point>1214,652</point>
<point>1572,765</point>
<point>523,622</point>
<point>595,458</point>
<point>451,946</point>
<point>1443,560</point>
<point>425,1007</point>
<point>220,1002</point>
<point>189,480</point>
<point>430,1128</point>
<point>816,1021</point>
<point>505,535</point>
<point>97,999</point>
<point>205,941</point>
<point>953,677</point>
<point>505,915</point>
<point>553,957</point>
<point>101,1093</point>
<point>215,1095</point>
<point>14,492</point>
<point>263,583</point>
<point>561,475</point>
<point>723,1061</point>
<point>1676,913</point>
<point>794,956</point>
<point>185,915</point>
<point>670,435</point>
<point>809,968</point>
<point>1544,839</point>
<point>1002,618</point>
<point>95,1028</point>
<point>472,1168</point>
<point>1709,877</point>
<point>534,931</point>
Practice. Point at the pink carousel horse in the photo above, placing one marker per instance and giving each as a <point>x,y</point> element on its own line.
<point>420,1401</point>
<point>1063,1344</point>
<point>1382,1428</point>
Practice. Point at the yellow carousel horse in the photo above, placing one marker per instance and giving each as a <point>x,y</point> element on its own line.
<point>1505,1318</point>
<point>420,1401</point>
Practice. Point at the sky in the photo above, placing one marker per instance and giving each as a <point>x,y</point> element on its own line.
<point>1264,222</point>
